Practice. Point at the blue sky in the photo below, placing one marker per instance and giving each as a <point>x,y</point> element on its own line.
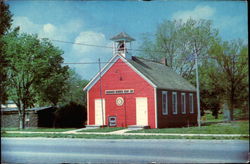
<point>95,22</point>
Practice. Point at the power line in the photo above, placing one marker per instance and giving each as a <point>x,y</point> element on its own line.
<point>83,44</point>
<point>181,59</point>
<point>91,62</point>
<point>100,46</point>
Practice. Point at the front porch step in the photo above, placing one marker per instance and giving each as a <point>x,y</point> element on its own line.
<point>138,127</point>
<point>94,126</point>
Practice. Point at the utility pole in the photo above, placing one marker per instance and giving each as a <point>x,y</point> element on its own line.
<point>99,61</point>
<point>197,89</point>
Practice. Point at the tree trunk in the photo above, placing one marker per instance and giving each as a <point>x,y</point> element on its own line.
<point>232,105</point>
<point>22,118</point>
<point>231,110</point>
<point>231,113</point>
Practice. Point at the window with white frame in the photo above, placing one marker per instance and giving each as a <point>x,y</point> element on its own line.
<point>191,103</point>
<point>164,102</point>
<point>183,103</point>
<point>174,102</point>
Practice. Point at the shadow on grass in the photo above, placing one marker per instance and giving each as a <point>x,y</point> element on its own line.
<point>235,127</point>
<point>93,136</point>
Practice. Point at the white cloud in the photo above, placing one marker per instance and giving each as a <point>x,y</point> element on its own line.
<point>48,30</point>
<point>91,38</point>
<point>72,31</point>
<point>26,25</point>
<point>231,27</point>
<point>86,54</point>
<point>199,12</point>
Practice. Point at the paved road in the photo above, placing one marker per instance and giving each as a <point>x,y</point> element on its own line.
<point>58,150</point>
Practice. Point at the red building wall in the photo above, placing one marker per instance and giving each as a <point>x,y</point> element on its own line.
<point>121,76</point>
<point>179,119</point>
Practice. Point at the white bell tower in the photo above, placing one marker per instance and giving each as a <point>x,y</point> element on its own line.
<point>122,45</point>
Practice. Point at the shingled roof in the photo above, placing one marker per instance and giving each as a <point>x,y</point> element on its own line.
<point>122,36</point>
<point>157,74</point>
<point>161,75</point>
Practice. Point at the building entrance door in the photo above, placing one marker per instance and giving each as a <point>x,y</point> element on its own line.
<point>99,111</point>
<point>141,111</point>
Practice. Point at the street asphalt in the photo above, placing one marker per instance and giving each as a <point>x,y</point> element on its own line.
<point>65,150</point>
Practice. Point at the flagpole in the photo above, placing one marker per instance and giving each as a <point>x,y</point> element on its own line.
<point>100,76</point>
<point>197,90</point>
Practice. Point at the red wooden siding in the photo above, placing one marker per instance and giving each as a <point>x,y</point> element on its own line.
<point>179,119</point>
<point>121,76</point>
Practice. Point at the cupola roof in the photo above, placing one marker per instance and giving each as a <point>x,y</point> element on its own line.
<point>122,36</point>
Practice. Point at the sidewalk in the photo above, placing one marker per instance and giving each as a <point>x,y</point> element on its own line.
<point>125,132</point>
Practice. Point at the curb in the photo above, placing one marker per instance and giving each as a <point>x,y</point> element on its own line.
<point>122,132</point>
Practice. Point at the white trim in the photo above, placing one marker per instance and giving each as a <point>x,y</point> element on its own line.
<point>156,111</point>
<point>176,101</point>
<point>166,93</point>
<point>111,62</point>
<point>184,103</point>
<point>87,107</point>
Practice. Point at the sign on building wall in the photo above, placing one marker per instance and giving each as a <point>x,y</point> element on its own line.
<point>119,101</point>
<point>119,91</point>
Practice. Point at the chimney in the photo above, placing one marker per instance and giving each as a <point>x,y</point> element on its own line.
<point>133,58</point>
<point>164,61</point>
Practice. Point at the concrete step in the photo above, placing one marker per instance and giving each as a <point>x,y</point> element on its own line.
<point>138,127</point>
<point>94,126</point>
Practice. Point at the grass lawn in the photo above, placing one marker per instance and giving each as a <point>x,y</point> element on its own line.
<point>236,127</point>
<point>38,129</point>
<point>108,136</point>
<point>103,130</point>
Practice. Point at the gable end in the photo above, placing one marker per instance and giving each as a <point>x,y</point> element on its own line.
<point>108,66</point>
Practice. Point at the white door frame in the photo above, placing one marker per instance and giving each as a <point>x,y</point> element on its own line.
<point>99,116</point>
<point>141,111</point>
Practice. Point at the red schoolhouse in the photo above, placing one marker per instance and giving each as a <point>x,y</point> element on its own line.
<point>132,91</point>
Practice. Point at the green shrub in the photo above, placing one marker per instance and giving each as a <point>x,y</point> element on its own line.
<point>240,114</point>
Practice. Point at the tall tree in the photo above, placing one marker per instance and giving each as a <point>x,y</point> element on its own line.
<point>5,18</point>
<point>31,62</point>
<point>210,87</point>
<point>74,87</point>
<point>51,90</point>
<point>178,41</point>
<point>232,72</point>
<point>5,24</point>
